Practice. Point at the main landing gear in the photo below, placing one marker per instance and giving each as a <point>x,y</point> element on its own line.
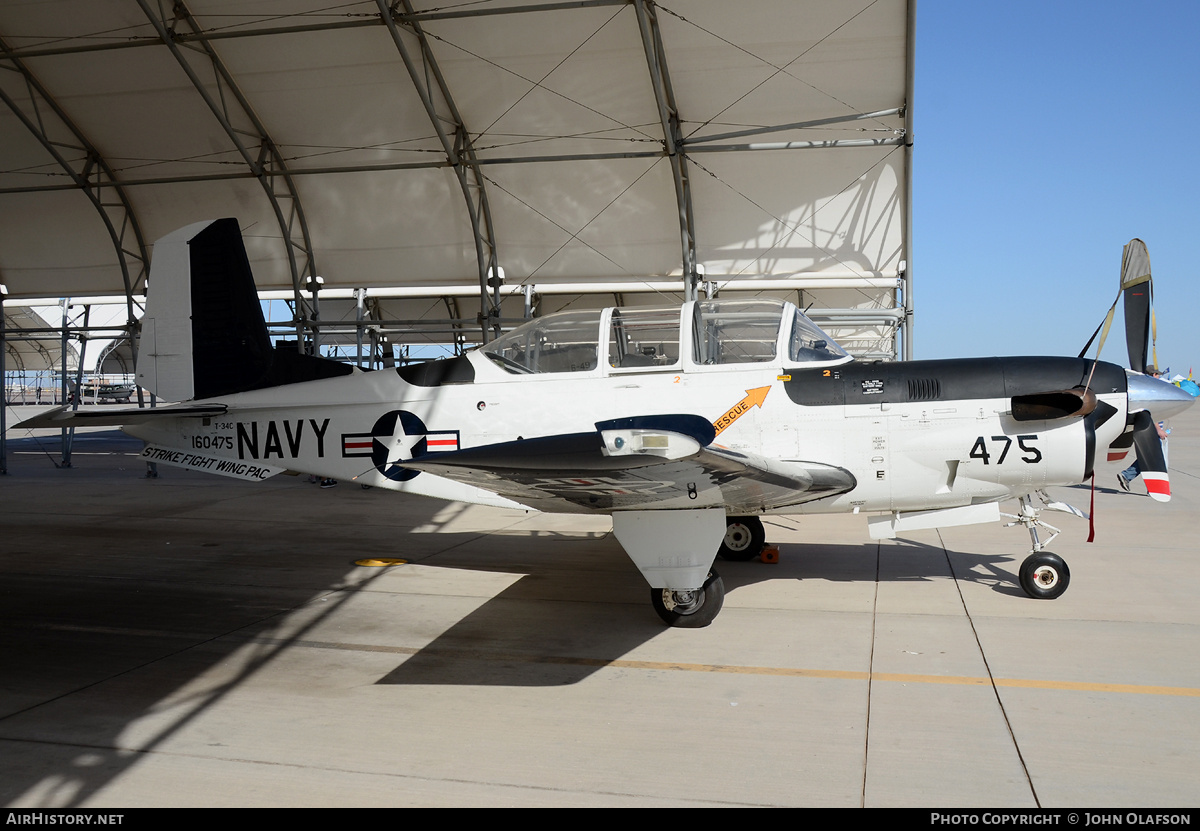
<point>693,608</point>
<point>1043,575</point>
<point>744,538</point>
<point>674,551</point>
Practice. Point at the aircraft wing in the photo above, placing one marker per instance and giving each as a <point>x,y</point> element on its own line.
<point>640,463</point>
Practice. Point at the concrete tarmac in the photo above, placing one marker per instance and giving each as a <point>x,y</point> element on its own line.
<point>197,641</point>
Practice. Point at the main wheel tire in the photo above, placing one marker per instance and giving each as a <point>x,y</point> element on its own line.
<point>744,538</point>
<point>1044,575</point>
<point>690,609</point>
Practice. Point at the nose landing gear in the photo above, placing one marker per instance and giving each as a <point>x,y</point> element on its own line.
<point>1043,575</point>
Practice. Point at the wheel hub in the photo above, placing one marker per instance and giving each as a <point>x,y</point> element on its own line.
<point>683,602</point>
<point>1046,577</point>
<point>737,537</point>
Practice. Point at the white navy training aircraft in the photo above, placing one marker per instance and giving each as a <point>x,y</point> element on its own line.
<point>685,423</point>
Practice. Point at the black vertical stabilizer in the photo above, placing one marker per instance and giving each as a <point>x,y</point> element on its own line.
<point>231,350</point>
<point>230,347</point>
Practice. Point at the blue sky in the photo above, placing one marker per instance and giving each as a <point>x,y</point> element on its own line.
<point>1047,135</point>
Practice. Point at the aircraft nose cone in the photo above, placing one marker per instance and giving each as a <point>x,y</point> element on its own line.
<point>1163,400</point>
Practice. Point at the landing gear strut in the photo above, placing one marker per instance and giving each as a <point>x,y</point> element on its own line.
<point>1043,575</point>
<point>693,608</point>
<point>744,538</point>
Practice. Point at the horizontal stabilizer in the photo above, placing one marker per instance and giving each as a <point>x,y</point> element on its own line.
<point>253,471</point>
<point>110,417</point>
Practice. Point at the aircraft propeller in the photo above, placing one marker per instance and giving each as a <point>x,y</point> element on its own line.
<point>1138,290</point>
<point>1150,399</point>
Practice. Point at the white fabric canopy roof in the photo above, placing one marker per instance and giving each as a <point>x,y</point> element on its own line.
<point>29,348</point>
<point>614,141</point>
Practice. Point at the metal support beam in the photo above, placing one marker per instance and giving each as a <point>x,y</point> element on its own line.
<point>3,389</point>
<point>459,149</point>
<point>906,327</point>
<point>122,42</point>
<point>668,114</point>
<point>68,433</point>
<point>89,172</point>
<point>480,162</point>
<point>359,298</point>
<point>228,105</point>
<point>692,141</point>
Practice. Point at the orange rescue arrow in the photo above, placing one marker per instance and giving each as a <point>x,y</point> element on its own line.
<point>754,398</point>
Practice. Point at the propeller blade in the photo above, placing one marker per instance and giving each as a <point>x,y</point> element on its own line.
<point>1151,461</point>
<point>1138,291</point>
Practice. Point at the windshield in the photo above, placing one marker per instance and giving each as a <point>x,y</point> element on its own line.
<point>809,343</point>
<point>564,342</point>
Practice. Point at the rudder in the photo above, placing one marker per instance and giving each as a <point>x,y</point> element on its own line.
<point>204,334</point>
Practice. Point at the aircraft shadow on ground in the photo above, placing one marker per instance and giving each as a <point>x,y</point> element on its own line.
<point>111,648</point>
<point>543,630</point>
<point>124,621</point>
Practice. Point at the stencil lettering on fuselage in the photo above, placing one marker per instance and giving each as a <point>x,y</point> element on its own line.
<point>277,436</point>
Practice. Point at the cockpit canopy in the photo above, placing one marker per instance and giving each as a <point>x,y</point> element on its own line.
<point>700,334</point>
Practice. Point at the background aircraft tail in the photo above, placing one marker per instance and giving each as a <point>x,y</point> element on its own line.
<point>204,334</point>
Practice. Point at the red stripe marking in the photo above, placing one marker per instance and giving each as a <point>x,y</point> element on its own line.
<point>1157,484</point>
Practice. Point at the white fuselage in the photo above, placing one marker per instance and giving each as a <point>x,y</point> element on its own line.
<point>904,456</point>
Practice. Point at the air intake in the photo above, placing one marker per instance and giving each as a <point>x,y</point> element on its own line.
<point>924,389</point>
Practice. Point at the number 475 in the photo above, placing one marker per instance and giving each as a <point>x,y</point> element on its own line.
<point>1025,443</point>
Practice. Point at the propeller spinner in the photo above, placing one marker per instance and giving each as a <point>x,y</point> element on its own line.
<point>1150,399</point>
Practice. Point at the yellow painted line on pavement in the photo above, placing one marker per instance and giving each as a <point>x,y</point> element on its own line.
<point>783,672</point>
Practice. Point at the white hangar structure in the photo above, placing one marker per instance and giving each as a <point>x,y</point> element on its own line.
<point>414,173</point>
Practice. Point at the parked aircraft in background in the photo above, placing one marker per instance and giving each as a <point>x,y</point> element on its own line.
<point>97,390</point>
<point>685,423</point>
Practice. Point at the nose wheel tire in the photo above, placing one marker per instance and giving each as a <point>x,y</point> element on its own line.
<point>1044,575</point>
<point>744,538</point>
<point>690,608</point>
